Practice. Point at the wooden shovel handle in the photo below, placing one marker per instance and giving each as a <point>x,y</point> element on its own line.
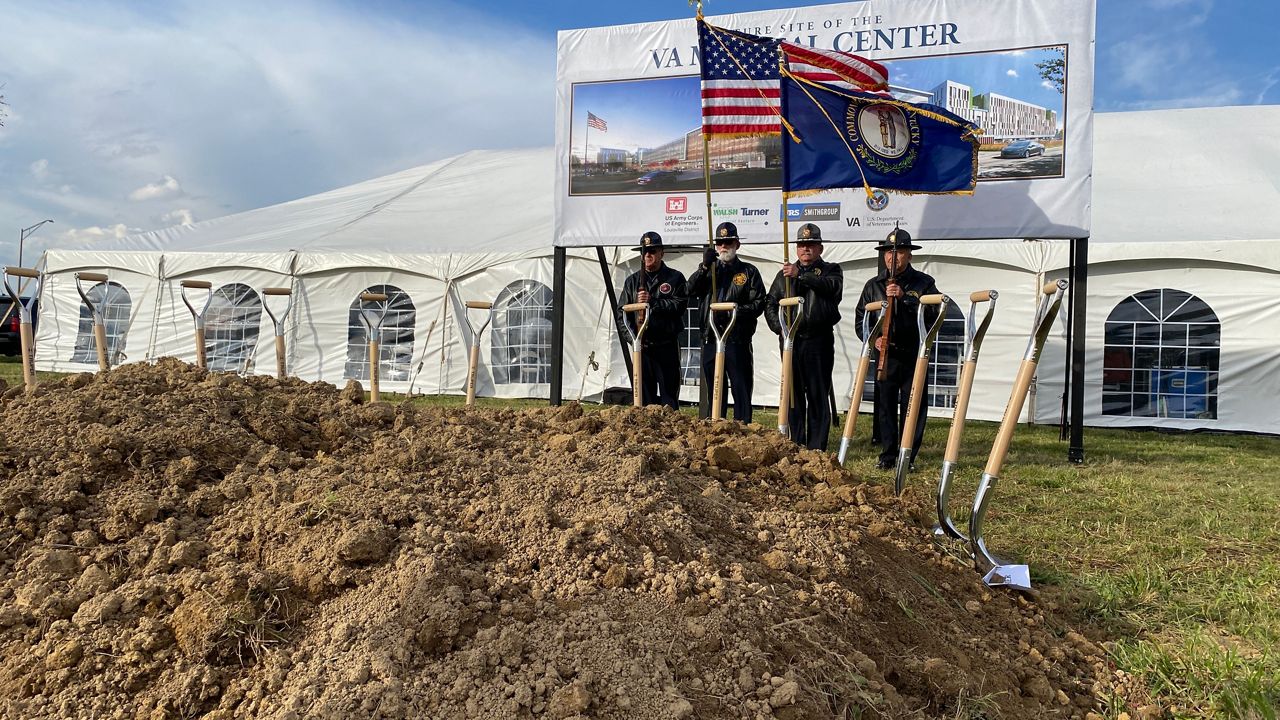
<point>28,348</point>
<point>197,284</point>
<point>784,398</point>
<point>962,409</point>
<point>637,384</point>
<point>277,291</point>
<point>874,306</point>
<point>21,271</point>
<point>373,297</point>
<point>980,296</point>
<point>855,397</point>
<point>374,357</point>
<point>478,304</point>
<point>280,357</point>
<point>91,277</point>
<point>635,307</point>
<point>100,339</point>
<point>935,299</point>
<point>1010,421</point>
<point>1050,287</point>
<point>918,381</point>
<point>723,306</point>
<point>789,301</point>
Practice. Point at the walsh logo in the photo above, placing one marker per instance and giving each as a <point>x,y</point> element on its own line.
<point>814,211</point>
<point>677,205</point>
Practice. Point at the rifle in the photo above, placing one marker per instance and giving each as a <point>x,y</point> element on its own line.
<point>886,324</point>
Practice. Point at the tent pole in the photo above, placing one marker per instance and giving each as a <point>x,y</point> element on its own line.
<point>1079,296</point>
<point>557,327</point>
<point>613,306</point>
<point>1064,413</point>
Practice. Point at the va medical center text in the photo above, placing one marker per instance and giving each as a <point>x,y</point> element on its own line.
<point>853,35</point>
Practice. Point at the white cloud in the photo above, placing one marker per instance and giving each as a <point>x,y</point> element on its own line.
<point>181,216</point>
<point>166,187</point>
<point>1011,73</point>
<point>1043,83</point>
<point>93,233</point>
<point>40,169</point>
<point>245,115</point>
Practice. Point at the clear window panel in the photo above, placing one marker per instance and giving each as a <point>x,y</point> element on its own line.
<point>113,301</point>
<point>231,328</point>
<point>1147,334</point>
<point>1199,334</point>
<point>520,344</point>
<point>1117,403</point>
<point>1173,334</point>
<point>1119,333</point>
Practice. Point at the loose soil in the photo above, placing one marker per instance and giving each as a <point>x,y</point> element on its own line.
<point>175,543</point>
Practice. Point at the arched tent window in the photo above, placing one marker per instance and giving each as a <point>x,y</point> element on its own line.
<point>231,327</point>
<point>395,354</point>
<point>113,301</point>
<point>1160,357</point>
<point>946,361</point>
<point>691,345</point>
<point>520,347</point>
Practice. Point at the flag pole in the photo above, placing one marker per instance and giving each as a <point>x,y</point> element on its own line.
<point>585,131</point>
<point>706,175</point>
<point>785,401</point>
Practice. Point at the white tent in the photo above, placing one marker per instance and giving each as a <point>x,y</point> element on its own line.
<point>1174,215</point>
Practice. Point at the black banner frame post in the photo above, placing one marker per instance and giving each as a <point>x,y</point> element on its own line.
<point>557,326</point>
<point>1076,334</point>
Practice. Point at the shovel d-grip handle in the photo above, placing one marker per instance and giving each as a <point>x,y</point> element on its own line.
<point>788,353</point>
<point>974,334</point>
<point>717,386</point>
<point>278,323</point>
<point>1047,312</point>
<point>99,322</point>
<point>869,333</point>
<point>25,340</point>
<point>473,357</point>
<point>373,333</point>
<point>906,444</point>
<point>198,315</point>
<point>637,354</point>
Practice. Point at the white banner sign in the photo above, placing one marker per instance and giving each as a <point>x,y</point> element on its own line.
<point>629,148</point>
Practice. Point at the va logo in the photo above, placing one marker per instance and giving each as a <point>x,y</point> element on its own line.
<point>885,136</point>
<point>878,200</point>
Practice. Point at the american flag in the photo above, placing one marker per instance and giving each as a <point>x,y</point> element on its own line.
<point>597,123</point>
<point>740,78</point>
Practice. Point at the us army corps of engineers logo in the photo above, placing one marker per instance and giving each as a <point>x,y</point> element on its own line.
<point>884,136</point>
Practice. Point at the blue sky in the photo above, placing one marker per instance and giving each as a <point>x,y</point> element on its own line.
<point>130,116</point>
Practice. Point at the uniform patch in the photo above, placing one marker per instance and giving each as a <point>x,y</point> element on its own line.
<point>740,279</point>
<point>664,288</point>
<point>913,293</point>
<point>817,271</point>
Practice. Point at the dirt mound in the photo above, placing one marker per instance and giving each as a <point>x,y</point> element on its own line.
<point>182,544</point>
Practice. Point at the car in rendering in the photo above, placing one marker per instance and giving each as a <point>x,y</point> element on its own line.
<point>657,179</point>
<point>1022,149</point>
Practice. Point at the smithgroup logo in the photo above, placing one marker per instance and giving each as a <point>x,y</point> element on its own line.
<point>814,211</point>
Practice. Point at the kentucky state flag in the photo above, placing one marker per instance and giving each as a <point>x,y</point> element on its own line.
<point>897,145</point>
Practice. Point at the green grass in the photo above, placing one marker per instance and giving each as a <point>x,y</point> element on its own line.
<point>1166,545</point>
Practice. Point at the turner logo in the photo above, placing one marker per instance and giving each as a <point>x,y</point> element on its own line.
<point>677,205</point>
<point>814,211</point>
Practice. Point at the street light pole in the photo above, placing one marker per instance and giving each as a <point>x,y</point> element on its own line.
<point>26,233</point>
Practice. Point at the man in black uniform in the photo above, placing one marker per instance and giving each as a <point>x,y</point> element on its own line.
<point>894,392</point>
<point>736,282</point>
<point>821,284</point>
<point>664,289</point>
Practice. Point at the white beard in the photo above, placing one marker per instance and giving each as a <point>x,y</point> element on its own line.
<point>727,255</point>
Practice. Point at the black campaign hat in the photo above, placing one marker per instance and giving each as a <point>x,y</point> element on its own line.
<point>650,241</point>
<point>727,231</point>
<point>899,239</point>
<point>809,232</point>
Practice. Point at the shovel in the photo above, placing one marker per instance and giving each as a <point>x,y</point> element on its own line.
<point>371,318</point>
<point>198,316</point>
<point>473,363</point>
<point>999,573</point>
<point>974,332</point>
<point>99,323</point>
<point>918,382</point>
<point>717,385</point>
<point>869,334</point>
<point>25,340</point>
<point>788,350</point>
<point>278,323</point>
<point>637,382</point>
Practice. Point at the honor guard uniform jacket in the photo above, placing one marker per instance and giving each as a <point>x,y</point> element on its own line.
<point>736,282</point>
<point>904,336</point>
<point>667,303</point>
<point>821,284</point>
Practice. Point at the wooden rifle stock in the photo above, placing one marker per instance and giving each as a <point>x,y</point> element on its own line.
<point>886,328</point>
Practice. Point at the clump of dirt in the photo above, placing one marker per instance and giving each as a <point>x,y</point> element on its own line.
<point>175,543</point>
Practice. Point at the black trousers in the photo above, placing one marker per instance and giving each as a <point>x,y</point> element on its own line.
<point>739,369</point>
<point>812,362</point>
<point>661,375</point>
<point>893,394</point>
